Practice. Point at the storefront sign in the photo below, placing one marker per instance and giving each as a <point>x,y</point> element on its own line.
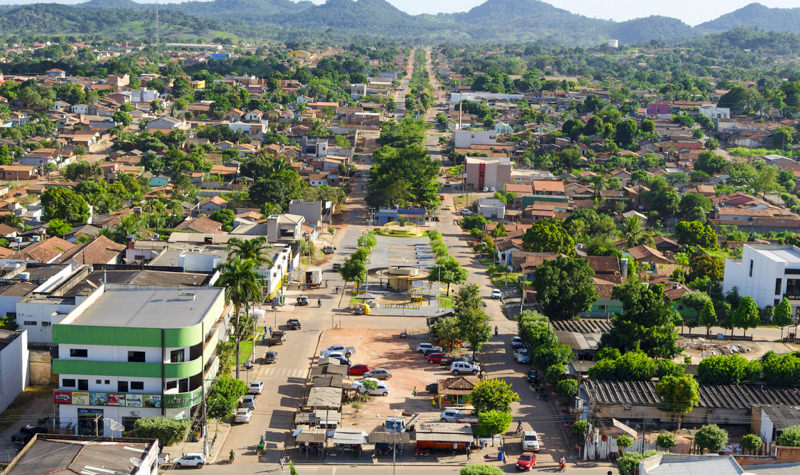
<point>62,397</point>
<point>98,399</point>
<point>172,401</point>
<point>151,400</point>
<point>116,399</point>
<point>133,400</point>
<point>81,399</point>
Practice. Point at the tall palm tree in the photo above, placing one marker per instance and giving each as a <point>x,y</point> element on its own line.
<point>242,286</point>
<point>254,250</point>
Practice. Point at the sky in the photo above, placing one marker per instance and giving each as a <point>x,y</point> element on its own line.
<point>692,12</point>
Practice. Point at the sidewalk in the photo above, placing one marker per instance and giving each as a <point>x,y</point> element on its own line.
<point>217,433</point>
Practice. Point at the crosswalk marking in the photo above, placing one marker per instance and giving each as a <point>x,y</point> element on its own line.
<point>275,373</point>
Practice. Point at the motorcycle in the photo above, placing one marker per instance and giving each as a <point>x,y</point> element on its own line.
<point>422,453</point>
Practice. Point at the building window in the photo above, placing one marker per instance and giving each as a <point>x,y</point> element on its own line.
<point>171,385</point>
<point>108,382</point>
<point>67,383</point>
<point>45,324</point>
<point>777,286</point>
<point>83,384</point>
<point>176,356</point>
<point>98,381</point>
<point>136,356</point>
<point>751,267</point>
<point>792,289</point>
<point>184,385</point>
<point>78,353</point>
<point>122,386</point>
<point>137,386</point>
<point>29,323</point>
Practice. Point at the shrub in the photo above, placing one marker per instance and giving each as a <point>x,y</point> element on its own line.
<point>579,428</point>
<point>552,353</point>
<point>224,398</point>
<point>623,442</point>
<point>711,437</point>
<point>167,431</point>
<point>628,463</point>
<point>568,388</point>
<point>554,373</point>
<point>751,443</point>
<point>727,369</point>
<point>790,437</point>
<point>481,470</point>
<point>666,441</point>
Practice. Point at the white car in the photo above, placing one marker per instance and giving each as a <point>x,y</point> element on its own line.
<point>346,351</point>
<point>530,441</point>
<point>243,415</point>
<point>256,387</point>
<point>191,460</point>
<point>358,384</point>
<point>451,415</point>
<point>422,347</point>
<point>522,356</point>
<point>381,390</point>
<point>496,294</point>
<point>248,401</point>
<point>459,367</point>
<point>466,212</point>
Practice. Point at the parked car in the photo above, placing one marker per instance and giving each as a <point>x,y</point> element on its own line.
<point>517,342</point>
<point>378,373</point>
<point>302,300</point>
<point>338,357</point>
<point>428,346</point>
<point>345,350</point>
<point>328,249</point>
<point>526,461</point>
<point>248,401</point>
<point>532,376</point>
<point>25,434</point>
<point>451,415</point>
<point>336,267</point>
<point>256,387</point>
<point>497,294</point>
<point>530,440</point>
<point>432,388</point>
<point>358,369</point>
<point>381,390</point>
<point>243,415</point>
<point>436,358</point>
<point>191,460</point>
<point>429,351</point>
<point>452,359</point>
<point>466,212</point>
<point>293,324</point>
<point>463,367</point>
<point>270,357</point>
<point>522,356</point>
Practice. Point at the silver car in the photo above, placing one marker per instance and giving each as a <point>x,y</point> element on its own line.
<point>378,373</point>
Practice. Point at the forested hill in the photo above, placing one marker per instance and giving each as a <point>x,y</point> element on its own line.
<point>493,21</point>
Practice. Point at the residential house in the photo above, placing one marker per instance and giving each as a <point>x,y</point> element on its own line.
<point>315,212</point>
<point>202,224</point>
<point>18,172</point>
<point>165,124</point>
<point>101,250</point>
<point>491,208</point>
<point>284,227</point>
<point>79,108</point>
<point>47,251</point>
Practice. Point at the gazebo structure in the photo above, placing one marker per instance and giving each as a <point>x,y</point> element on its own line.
<point>402,278</point>
<point>456,391</point>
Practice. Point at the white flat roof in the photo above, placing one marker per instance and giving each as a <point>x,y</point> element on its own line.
<point>788,254</point>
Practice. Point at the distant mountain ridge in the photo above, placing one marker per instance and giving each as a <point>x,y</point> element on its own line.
<point>494,20</point>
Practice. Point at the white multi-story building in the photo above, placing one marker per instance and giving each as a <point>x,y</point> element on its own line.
<point>13,365</point>
<point>767,273</point>
<point>136,351</point>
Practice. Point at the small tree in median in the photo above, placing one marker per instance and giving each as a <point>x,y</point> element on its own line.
<point>491,423</point>
<point>224,397</point>
<point>711,437</point>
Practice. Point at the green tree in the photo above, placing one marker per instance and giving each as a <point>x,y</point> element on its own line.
<point>627,131</point>
<point>694,206</point>
<point>782,315</point>
<point>547,355</point>
<point>746,314</point>
<point>493,395</point>
<point>168,431</point>
<point>534,328</point>
<point>64,204</point>
<point>624,442</point>
<point>225,217</point>
<point>710,163</point>
<point>254,250</point>
<point>728,369</point>
<point>242,286</point>
<point>752,443</point>
<point>647,322</point>
<point>448,271</point>
<point>567,388</point>
<point>224,397</point>
<point>781,370</point>
<point>555,373</point>
<point>58,227</point>
<point>448,331</point>
<point>493,422</point>
<point>630,366</point>
<point>353,269</point>
<point>790,437</point>
<point>548,235</point>
<point>565,288</point>
<point>695,233</point>
<point>579,428</point>
<point>679,395</point>
<point>711,437</point>
<point>666,441</point>
<point>122,118</point>
<point>707,317</point>
<point>367,240</point>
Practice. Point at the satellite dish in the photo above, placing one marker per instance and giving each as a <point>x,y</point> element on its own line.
<point>114,424</point>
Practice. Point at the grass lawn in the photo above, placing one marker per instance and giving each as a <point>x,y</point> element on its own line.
<point>445,302</point>
<point>499,280</point>
<point>245,350</point>
<point>487,261</point>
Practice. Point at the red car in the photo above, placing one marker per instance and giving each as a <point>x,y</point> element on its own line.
<point>436,358</point>
<point>526,461</point>
<point>358,369</point>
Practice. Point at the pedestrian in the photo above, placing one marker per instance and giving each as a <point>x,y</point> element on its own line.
<point>414,391</point>
<point>455,448</point>
<point>281,461</point>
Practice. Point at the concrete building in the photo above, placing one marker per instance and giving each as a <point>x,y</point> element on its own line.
<point>487,172</point>
<point>767,273</point>
<point>284,227</point>
<point>136,351</point>
<point>468,138</point>
<point>314,211</point>
<point>713,112</point>
<point>51,453</point>
<point>13,365</point>
<point>491,208</point>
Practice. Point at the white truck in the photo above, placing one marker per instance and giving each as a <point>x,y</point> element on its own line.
<point>345,350</point>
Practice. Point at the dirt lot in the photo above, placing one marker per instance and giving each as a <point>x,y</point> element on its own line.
<point>384,349</point>
<point>701,347</point>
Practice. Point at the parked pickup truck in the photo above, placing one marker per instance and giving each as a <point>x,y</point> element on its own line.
<point>345,350</point>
